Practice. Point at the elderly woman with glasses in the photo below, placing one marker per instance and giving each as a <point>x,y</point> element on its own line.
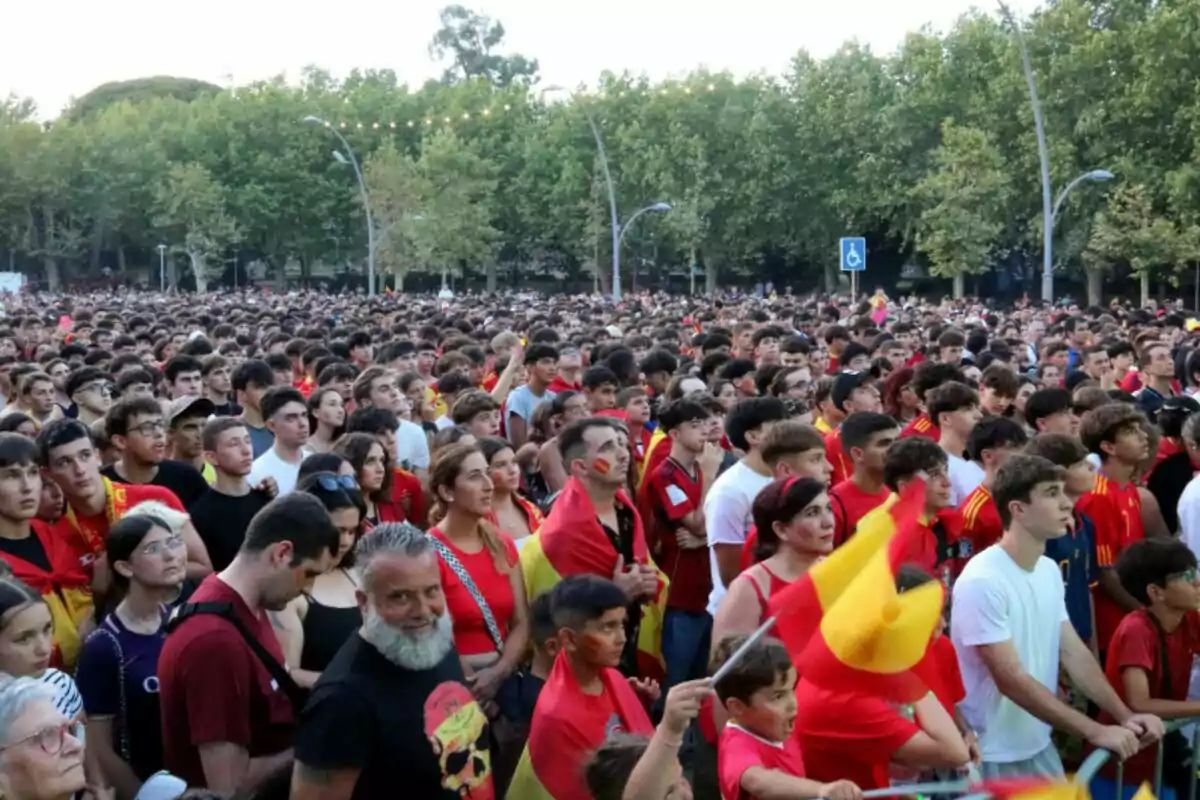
<point>41,756</point>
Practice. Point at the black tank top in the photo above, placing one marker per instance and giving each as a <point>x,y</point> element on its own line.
<point>326,629</point>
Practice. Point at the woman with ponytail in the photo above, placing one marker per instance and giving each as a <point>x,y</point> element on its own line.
<point>481,576</point>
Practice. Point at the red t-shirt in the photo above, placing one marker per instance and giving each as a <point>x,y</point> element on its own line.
<point>407,503</point>
<point>1116,511</point>
<point>921,426</point>
<point>848,736</point>
<point>670,493</point>
<point>738,750</point>
<point>836,453</point>
<point>212,688</point>
<point>946,682</point>
<point>1136,645</point>
<point>95,527</point>
<point>981,520</point>
<point>471,635</point>
<point>850,504</point>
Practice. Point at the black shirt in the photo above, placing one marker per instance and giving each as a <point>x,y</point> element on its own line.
<point>28,549</point>
<point>184,480</point>
<point>422,731</point>
<point>228,409</point>
<point>622,542</point>
<point>222,519</point>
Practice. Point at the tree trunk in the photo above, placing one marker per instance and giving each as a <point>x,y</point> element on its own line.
<point>1144,281</point>
<point>199,272</point>
<point>121,258</point>
<point>1095,287</point>
<point>491,278</point>
<point>711,273</point>
<point>959,287</point>
<point>53,279</point>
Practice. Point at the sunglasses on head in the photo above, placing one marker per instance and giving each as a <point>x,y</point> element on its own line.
<point>332,483</point>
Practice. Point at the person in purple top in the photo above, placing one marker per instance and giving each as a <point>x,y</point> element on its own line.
<point>117,672</point>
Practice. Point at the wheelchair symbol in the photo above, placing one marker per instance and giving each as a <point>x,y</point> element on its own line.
<point>853,261</point>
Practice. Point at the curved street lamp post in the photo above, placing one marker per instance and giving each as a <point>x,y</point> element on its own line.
<point>1049,211</point>
<point>348,158</point>
<point>618,232</point>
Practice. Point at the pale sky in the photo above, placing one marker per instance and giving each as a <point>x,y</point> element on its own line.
<point>56,49</point>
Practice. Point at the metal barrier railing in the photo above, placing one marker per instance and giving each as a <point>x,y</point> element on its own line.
<point>1091,765</point>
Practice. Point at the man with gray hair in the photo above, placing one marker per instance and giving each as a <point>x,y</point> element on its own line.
<point>393,708</point>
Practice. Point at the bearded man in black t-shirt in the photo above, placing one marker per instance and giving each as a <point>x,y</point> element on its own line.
<point>392,715</point>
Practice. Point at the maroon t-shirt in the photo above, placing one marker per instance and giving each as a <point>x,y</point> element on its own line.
<point>212,688</point>
<point>669,494</point>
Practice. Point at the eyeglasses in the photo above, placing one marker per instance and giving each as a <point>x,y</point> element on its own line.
<point>174,542</point>
<point>150,428</point>
<point>332,483</point>
<point>102,389</point>
<point>50,739</point>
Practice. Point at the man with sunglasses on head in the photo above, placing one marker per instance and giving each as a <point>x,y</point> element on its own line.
<point>222,515</point>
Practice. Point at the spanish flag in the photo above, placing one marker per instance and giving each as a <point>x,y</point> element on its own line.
<point>846,626</point>
<point>1042,788</point>
<point>567,727</point>
<point>655,454</point>
<point>571,542</point>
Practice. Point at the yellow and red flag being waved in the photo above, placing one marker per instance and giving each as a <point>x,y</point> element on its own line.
<point>571,542</point>
<point>846,626</point>
<point>567,727</point>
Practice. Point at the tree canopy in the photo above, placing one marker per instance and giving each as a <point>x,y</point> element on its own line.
<point>928,151</point>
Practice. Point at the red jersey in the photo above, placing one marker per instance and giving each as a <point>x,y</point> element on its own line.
<point>738,750</point>
<point>560,385</point>
<point>1116,511</point>
<point>981,520</point>
<point>489,381</point>
<point>849,736</point>
<point>407,503</point>
<point>836,453</point>
<point>921,426</point>
<point>668,495</point>
<point>946,681</point>
<point>89,534</point>
<point>850,504</point>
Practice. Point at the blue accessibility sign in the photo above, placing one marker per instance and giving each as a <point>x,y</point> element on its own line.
<point>853,253</point>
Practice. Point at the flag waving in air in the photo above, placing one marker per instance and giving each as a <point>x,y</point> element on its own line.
<point>571,542</point>
<point>845,624</point>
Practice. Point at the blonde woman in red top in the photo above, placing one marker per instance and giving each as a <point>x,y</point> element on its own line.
<point>481,576</point>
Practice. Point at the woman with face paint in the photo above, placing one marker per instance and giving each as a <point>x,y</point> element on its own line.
<point>481,578</point>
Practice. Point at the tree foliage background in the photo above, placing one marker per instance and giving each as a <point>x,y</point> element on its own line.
<point>483,177</point>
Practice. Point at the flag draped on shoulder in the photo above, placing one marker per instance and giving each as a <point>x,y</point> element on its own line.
<point>844,623</point>
<point>571,542</point>
<point>651,459</point>
<point>567,726</point>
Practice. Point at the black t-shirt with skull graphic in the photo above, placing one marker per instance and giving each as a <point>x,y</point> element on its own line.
<point>413,734</point>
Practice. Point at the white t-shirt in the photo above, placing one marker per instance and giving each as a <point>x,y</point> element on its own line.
<point>1189,515</point>
<point>727,517</point>
<point>443,422</point>
<point>412,448</point>
<point>270,465</point>
<point>995,600</point>
<point>522,401</point>
<point>964,477</point>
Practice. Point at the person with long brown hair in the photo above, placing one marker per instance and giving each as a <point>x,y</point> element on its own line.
<point>484,588</point>
<point>511,512</point>
<point>899,400</point>
<point>370,462</point>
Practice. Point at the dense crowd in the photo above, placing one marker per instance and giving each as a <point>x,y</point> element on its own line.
<point>271,545</point>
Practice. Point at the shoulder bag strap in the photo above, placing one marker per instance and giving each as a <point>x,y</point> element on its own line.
<point>489,619</point>
<point>124,717</point>
<point>225,610</point>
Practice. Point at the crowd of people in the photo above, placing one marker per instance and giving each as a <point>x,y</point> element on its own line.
<point>331,547</point>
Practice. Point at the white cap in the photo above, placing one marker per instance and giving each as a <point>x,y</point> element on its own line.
<point>162,786</point>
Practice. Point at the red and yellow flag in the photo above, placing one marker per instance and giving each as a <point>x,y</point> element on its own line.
<point>571,542</point>
<point>845,624</point>
<point>567,727</point>
<point>652,458</point>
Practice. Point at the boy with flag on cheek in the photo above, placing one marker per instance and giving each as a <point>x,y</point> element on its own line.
<point>585,699</point>
<point>757,755</point>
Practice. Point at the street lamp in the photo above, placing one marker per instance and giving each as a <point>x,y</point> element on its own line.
<point>1096,175</point>
<point>162,268</point>
<point>615,222</point>
<point>638,213</point>
<point>1043,156</point>
<point>348,158</point>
